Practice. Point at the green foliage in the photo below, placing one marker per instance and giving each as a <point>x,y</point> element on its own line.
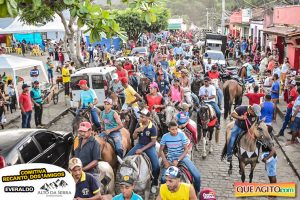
<point>135,22</point>
<point>8,8</point>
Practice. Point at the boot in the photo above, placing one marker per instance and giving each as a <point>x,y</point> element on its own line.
<point>204,148</point>
<point>210,146</point>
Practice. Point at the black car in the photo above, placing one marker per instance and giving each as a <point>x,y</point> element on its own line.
<point>35,146</point>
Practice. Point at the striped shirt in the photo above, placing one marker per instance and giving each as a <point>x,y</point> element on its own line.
<point>175,144</point>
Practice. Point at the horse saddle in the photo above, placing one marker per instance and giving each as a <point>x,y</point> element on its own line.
<point>185,172</point>
<point>110,141</point>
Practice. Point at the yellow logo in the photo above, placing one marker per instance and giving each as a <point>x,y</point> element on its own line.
<point>126,178</point>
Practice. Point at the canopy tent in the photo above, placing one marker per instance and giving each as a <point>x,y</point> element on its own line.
<point>18,66</point>
<point>18,26</point>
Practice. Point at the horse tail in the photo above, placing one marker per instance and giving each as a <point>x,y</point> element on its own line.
<point>227,106</point>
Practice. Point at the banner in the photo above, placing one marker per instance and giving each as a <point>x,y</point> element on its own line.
<point>262,189</point>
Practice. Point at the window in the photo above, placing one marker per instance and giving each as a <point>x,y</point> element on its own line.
<point>97,82</point>
<point>45,139</point>
<point>28,150</point>
<point>75,80</point>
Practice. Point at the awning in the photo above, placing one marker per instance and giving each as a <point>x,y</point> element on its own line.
<point>283,30</point>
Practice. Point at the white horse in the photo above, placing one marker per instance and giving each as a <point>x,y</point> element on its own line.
<point>107,178</point>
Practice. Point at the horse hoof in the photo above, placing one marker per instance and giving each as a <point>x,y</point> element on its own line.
<point>229,171</point>
<point>204,155</point>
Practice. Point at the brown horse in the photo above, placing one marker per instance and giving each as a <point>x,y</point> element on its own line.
<point>233,91</point>
<point>248,144</point>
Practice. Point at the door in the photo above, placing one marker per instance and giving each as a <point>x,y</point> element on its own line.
<point>29,152</point>
<point>98,85</point>
<point>53,148</point>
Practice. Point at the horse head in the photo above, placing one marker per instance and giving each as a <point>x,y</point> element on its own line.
<point>261,133</point>
<point>170,112</point>
<point>204,115</point>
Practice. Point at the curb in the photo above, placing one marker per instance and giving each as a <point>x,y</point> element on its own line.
<point>290,163</point>
<point>57,118</point>
<point>12,121</point>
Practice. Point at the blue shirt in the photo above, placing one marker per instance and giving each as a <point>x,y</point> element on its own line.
<point>36,95</point>
<point>267,112</point>
<point>133,197</point>
<point>164,64</point>
<point>175,144</point>
<point>275,87</point>
<point>87,186</point>
<point>244,46</point>
<point>87,97</point>
<point>148,133</point>
<point>34,73</point>
<point>182,117</point>
<point>178,51</point>
<point>148,71</point>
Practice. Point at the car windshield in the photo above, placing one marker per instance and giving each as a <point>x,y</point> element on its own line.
<point>75,80</point>
<point>10,138</point>
<point>214,56</point>
<point>138,50</point>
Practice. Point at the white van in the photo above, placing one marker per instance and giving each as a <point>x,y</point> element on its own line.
<point>98,79</point>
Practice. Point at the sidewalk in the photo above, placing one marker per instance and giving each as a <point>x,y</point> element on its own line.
<point>292,152</point>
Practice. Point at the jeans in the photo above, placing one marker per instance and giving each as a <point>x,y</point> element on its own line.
<point>287,119</point>
<point>67,88</point>
<point>95,118</point>
<point>152,154</point>
<point>26,118</point>
<point>235,132</point>
<point>192,169</point>
<point>220,97</point>
<point>117,137</point>
<point>38,113</point>
<point>135,109</point>
<point>217,109</point>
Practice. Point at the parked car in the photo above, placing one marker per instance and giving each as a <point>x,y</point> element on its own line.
<point>98,79</point>
<point>140,52</point>
<point>216,57</point>
<point>22,146</point>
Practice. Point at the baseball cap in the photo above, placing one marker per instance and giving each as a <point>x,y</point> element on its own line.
<point>84,126</point>
<point>182,62</point>
<point>25,86</point>
<point>185,106</point>
<point>74,162</point>
<point>115,76</point>
<point>127,180</point>
<point>82,82</point>
<point>173,172</point>
<point>257,110</point>
<point>124,80</point>
<point>153,85</point>
<point>207,79</point>
<point>145,112</point>
<point>108,100</point>
<point>207,194</point>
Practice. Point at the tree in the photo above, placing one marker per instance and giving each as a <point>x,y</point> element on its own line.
<point>135,23</point>
<point>99,22</point>
<point>8,8</point>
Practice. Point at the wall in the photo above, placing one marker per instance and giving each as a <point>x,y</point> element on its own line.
<point>235,17</point>
<point>287,15</point>
<point>294,56</point>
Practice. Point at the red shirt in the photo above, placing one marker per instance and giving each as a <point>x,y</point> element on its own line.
<point>129,68</point>
<point>254,98</point>
<point>121,73</point>
<point>25,101</point>
<point>61,56</point>
<point>293,95</point>
<point>154,100</point>
<point>213,75</point>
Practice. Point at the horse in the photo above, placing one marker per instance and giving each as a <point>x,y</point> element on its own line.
<point>138,167</point>
<point>248,144</point>
<point>107,178</point>
<point>206,122</point>
<point>143,87</point>
<point>232,90</point>
<point>107,149</point>
<point>130,121</point>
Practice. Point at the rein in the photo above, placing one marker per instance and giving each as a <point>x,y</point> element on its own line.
<point>248,130</point>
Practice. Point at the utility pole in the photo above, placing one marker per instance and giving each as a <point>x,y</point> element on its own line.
<point>207,18</point>
<point>223,18</point>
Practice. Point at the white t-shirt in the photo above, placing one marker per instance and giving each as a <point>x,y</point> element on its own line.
<point>276,71</point>
<point>284,68</point>
<point>209,91</point>
<point>208,66</point>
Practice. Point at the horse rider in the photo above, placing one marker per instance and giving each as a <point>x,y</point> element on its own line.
<point>244,117</point>
<point>148,70</point>
<point>88,98</point>
<point>186,85</point>
<point>131,98</point>
<point>147,134</point>
<point>154,99</point>
<point>111,124</point>
<point>127,184</point>
<point>88,149</point>
<point>177,148</point>
<point>207,93</point>
<point>87,186</point>
<point>214,75</point>
<point>163,85</point>
<point>174,188</point>
<point>122,73</point>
